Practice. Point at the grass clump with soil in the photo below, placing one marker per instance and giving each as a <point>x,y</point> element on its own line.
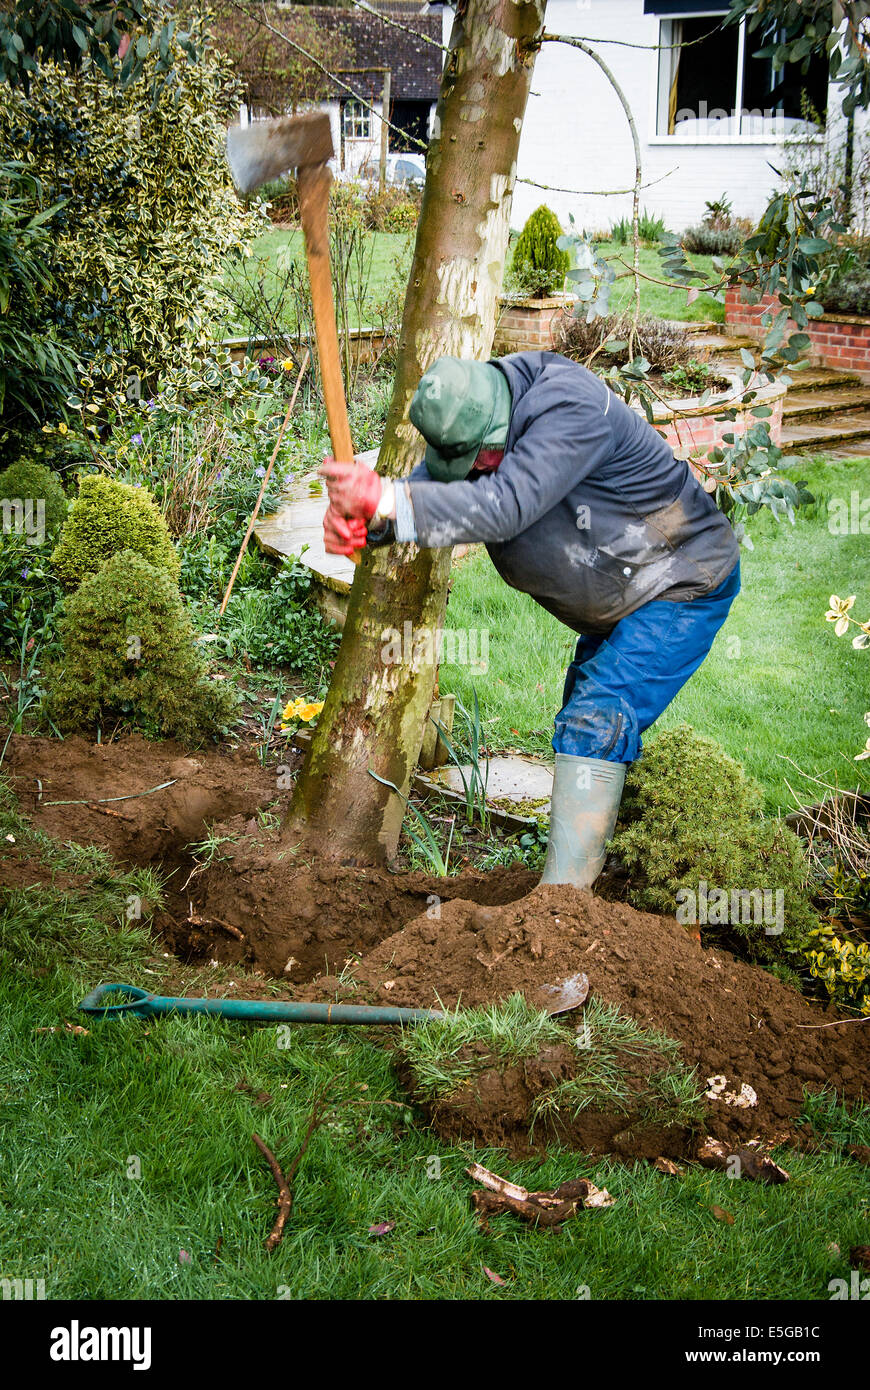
<point>130,659</point>
<point>503,1072</point>
<point>691,824</point>
<point>106,518</point>
<point>633,1070</point>
<point>443,1056</point>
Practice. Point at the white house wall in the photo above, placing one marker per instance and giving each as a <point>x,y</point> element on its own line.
<point>576,135</point>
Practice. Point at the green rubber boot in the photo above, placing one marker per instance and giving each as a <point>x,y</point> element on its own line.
<point>583,811</point>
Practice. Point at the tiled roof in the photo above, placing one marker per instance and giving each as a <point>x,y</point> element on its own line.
<point>415,65</point>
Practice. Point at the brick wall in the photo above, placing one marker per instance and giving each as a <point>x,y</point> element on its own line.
<point>526,326</point>
<point>694,435</point>
<point>836,340</point>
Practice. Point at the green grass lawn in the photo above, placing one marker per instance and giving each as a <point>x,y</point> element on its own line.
<point>391,250</point>
<point>128,1170</point>
<point>658,299</point>
<point>785,688</point>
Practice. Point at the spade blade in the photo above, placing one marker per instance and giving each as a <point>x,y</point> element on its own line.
<point>564,995</point>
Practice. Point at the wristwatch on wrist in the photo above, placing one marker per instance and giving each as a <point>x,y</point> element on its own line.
<point>382,534</point>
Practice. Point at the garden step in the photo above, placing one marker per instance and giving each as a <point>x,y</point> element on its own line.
<point>719,344</point>
<point>849,427</point>
<point>817,402</point>
<point>824,379</point>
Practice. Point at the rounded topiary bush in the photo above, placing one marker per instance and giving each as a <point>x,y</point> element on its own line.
<point>537,262</point>
<point>691,835</point>
<point>130,659</point>
<point>106,518</point>
<point>31,484</point>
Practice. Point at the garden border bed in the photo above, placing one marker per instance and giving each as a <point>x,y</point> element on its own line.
<point>841,341</point>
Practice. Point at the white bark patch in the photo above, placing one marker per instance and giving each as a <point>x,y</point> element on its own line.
<point>488,47</point>
<point>518,125</point>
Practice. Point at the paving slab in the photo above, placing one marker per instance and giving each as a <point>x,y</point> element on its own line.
<point>512,778</point>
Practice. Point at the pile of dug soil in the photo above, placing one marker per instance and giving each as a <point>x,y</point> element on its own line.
<point>731,1019</point>
<point>332,932</point>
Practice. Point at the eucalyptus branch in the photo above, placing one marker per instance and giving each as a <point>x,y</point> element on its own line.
<point>598,192</point>
<point>638,171</point>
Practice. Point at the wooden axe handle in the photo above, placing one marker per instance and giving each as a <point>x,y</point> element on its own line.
<point>313,184</point>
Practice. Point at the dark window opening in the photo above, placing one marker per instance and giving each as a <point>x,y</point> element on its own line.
<point>412,117</point>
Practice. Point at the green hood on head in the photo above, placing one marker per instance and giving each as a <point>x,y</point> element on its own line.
<point>460,407</point>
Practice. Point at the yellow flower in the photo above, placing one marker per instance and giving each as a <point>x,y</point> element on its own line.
<point>306,710</point>
<point>62,429</point>
<point>811,289</point>
<point>288,364</point>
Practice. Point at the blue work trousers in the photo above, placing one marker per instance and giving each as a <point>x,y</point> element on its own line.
<point>617,686</point>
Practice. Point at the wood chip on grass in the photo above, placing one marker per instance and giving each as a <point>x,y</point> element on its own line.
<point>550,1208</point>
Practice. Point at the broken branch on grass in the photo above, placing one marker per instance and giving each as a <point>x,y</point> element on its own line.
<point>549,1208</point>
<point>283,1182</point>
<point>758,1167</point>
<point>285,1196</point>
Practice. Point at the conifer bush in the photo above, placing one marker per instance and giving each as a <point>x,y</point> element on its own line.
<point>130,659</point>
<point>106,518</point>
<point>691,822</point>
<point>538,264</point>
<point>33,483</point>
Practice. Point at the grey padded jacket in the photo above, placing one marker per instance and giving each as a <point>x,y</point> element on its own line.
<point>589,512</point>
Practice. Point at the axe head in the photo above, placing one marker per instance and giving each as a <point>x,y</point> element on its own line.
<point>267,149</point>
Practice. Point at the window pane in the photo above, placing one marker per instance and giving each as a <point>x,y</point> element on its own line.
<point>767,91</point>
<point>705,87</point>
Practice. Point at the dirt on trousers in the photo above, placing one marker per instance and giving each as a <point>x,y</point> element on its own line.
<point>332,932</point>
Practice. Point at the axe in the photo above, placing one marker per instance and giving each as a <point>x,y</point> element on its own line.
<point>266,150</point>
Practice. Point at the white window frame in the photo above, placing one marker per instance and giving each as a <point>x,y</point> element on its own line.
<point>356,121</point>
<point>730,132</point>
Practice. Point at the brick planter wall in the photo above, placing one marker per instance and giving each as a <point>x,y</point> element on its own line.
<point>527,325</point>
<point>836,340</point>
<point>692,431</point>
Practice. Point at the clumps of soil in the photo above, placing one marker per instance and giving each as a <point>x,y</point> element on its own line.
<point>499,1075</point>
<point>334,932</point>
<point>731,1019</point>
<point>310,919</point>
<point>67,789</point>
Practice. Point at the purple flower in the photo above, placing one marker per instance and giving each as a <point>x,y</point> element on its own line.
<point>25,572</point>
<point>260,472</point>
<point>137,439</point>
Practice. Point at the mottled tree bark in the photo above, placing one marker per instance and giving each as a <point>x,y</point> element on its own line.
<point>377,705</point>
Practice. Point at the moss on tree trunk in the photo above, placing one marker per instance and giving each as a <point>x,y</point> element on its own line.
<point>376,709</point>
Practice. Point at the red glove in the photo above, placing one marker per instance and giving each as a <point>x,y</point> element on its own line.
<point>342,537</point>
<point>354,488</point>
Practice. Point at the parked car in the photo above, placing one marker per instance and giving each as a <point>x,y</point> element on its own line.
<point>406,168</point>
<point>401,169</point>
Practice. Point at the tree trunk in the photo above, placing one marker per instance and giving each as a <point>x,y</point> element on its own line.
<point>378,702</point>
